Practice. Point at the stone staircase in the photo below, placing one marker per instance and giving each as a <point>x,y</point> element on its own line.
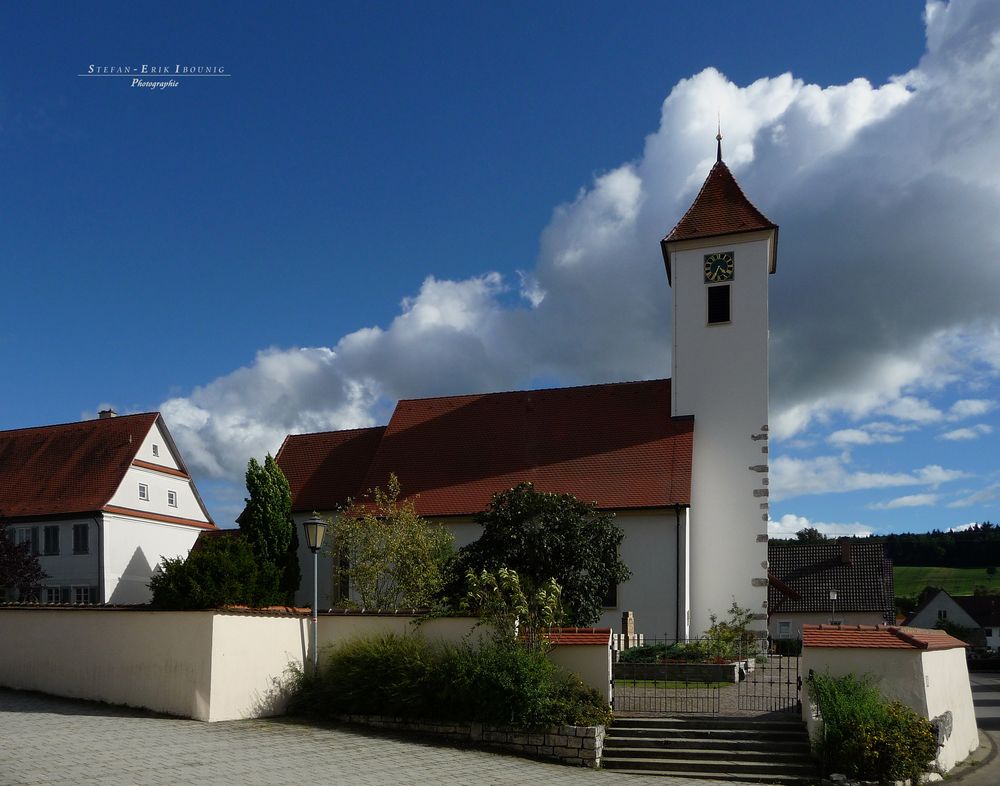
<point>737,749</point>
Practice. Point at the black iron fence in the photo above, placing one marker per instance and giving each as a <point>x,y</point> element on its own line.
<point>741,676</point>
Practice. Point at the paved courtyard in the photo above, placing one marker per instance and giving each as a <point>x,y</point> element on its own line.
<point>59,742</point>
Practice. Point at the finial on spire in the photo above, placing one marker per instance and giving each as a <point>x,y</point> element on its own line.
<point>718,140</point>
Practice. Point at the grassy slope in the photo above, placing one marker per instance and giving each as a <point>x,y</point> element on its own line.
<point>957,581</point>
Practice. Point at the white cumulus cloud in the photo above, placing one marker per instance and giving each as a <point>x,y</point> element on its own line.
<point>789,524</point>
<point>865,180</point>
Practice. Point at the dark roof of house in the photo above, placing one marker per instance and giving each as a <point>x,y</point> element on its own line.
<point>613,444</point>
<point>858,570</point>
<point>878,637</point>
<point>721,208</point>
<point>984,609</point>
<point>67,468</point>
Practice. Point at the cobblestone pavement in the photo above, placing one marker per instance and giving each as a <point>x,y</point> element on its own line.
<point>61,742</point>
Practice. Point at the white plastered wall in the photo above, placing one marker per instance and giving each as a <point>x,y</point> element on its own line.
<point>157,485</point>
<point>133,548</point>
<point>163,455</point>
<point>592,662</point>
<point>947,689</point>
<point>720,377</point>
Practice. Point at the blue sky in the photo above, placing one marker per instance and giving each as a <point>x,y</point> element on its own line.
<point>389,199</point>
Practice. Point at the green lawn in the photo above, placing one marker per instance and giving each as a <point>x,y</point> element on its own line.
<point>956,581</point>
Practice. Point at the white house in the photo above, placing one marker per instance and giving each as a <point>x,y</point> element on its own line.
<point>100,502</point>
<point>681,461</point>
<point>978,613</point>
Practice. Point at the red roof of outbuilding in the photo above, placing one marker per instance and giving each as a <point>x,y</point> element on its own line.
<point>68,468</point>
<point>614,444</point>
<point>878,637</point>
<point>570,636</point>
<point>721,208</point>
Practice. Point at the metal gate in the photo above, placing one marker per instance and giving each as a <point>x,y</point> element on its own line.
<point>667,677</point>
<point>771,682</point>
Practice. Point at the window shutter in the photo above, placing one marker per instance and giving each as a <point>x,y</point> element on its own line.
<point>93,595</point>
<point>64,592</point>
<point>34,541</point>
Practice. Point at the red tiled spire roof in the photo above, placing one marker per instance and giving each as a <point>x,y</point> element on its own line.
<point>67,468</point>
<point>615,445</point>
<point>721,208</point>
<point>878,637</point>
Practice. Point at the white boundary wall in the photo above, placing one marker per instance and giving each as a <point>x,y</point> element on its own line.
<point>206,665</point>
<point>929,682</point>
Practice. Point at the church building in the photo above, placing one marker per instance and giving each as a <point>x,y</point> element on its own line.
<point>682,462</point>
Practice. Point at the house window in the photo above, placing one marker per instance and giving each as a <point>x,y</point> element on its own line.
<point>718,305</point>
<point>52,540</point>
<point>156,450</point>
<point>51,594</point>
<point>172,499</point>
<point>81,538</point>
<point>27,536</point>
<point>143,491</point>
<point>82,595</point>
<point>942,614</point>
<point>784,630</point>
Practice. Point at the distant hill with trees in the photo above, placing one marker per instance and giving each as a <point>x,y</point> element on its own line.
<point>975,547</point>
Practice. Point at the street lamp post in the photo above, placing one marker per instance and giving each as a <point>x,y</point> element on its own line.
<point>833,606</point>
<point>315,530</point>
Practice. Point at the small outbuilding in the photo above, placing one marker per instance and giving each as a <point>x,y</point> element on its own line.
<point>924,669</point>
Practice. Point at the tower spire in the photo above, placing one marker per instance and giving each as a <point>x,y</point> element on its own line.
<point>718,140</point>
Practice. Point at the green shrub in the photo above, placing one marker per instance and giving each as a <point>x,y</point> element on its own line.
<point>407,676</point>
<point>220,571</point>
<point>866,737</point>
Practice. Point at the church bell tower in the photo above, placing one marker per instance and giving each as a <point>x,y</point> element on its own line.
<point>718,260</point>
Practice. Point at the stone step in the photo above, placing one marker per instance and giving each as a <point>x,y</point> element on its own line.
<point>733,735</point>
<point>800,768</point>
<point>713,722</point>
<point>770,780</point>
<point>684,749</point>
<point>784,746</point>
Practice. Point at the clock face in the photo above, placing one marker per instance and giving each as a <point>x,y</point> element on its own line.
<point>718,267</point>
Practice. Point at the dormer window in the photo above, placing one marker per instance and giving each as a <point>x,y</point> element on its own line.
<point>143,491</point>
<point>156,450</point>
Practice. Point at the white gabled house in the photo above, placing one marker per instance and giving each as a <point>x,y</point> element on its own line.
<point>101,502</point>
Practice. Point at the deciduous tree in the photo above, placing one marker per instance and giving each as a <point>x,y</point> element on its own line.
<point>19,568</point>
<point>550,536</point>
<point>393,557</point>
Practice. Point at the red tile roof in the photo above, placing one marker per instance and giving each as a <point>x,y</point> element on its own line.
<point>68,468</point>
<point>721,208</point>
<point>878,637</point>
<point>614,444</point>
<point>324,469</point>
<point>570,636</point>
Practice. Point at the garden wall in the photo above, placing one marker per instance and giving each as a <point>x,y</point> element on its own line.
<point>207,665</point>
<point>578,745</point>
